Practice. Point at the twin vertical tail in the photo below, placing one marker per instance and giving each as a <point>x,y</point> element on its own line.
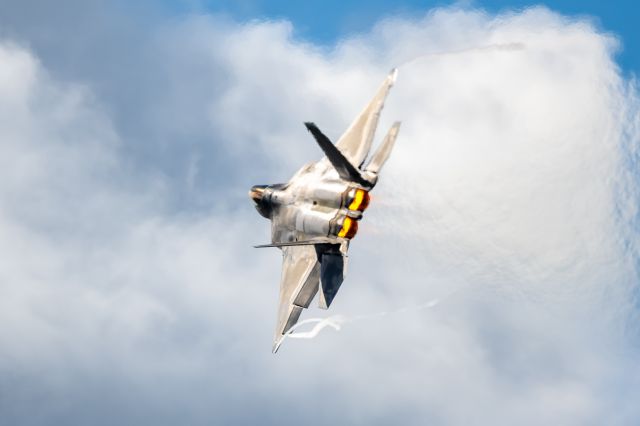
<point>347,171</point>
<point>382,154</point>
<point>354,145</point>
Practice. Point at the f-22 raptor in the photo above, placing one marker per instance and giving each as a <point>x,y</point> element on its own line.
<point>315,215</point>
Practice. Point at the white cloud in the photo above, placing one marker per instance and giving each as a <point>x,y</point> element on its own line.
<point>510,196</point>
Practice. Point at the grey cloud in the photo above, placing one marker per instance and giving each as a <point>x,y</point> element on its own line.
<point>130,293</point>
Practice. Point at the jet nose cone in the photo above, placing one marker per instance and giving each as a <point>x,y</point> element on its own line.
<point>261,196</point>
<point>256,193</point>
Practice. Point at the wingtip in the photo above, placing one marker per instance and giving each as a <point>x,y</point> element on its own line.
<point>393,75</point>
<point>276,344</point>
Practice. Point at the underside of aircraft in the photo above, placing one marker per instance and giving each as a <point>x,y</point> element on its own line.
<point>315,215</point>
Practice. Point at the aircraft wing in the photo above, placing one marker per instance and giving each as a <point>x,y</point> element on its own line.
<point>305,269</point>
<point>298,286</point>
<point>356,142</point>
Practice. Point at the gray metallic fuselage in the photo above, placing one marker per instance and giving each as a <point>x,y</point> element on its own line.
<point>315,215</point>
<point>312,205</point>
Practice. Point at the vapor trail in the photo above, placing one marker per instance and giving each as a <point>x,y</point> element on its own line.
<point>336,321</point>
<point>506,47</point>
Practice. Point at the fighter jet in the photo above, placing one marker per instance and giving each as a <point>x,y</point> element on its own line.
<point>315,215</point>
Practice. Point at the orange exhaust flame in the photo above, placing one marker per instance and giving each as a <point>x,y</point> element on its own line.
<point>360,200</point>
<point>349,228</point>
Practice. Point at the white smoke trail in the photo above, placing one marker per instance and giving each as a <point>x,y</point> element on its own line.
<point>336,321</point>
<point>505,47</point>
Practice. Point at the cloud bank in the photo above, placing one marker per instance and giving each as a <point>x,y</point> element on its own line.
<point>130,293</point>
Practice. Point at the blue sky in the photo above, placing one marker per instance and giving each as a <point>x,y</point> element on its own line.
<point>328,21</point>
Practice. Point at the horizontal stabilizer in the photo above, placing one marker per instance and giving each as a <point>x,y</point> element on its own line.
<point>345,169</point>
<point>332,271</point>
<point>331,277</point>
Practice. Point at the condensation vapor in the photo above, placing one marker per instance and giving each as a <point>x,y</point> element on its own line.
<point>500,182</point>
<point>337,321</point>
<point>504,47</point>
<point>512,173</point>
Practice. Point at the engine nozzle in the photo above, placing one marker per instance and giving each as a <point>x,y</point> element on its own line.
<point>349,228</point>
<point>358,199</point>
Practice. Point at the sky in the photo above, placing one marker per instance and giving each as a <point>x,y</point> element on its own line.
<point>326,22</point>
<point>494,278</point>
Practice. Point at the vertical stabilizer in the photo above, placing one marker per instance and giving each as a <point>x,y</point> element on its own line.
<point>356,141</point>
<point>382,153</point>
